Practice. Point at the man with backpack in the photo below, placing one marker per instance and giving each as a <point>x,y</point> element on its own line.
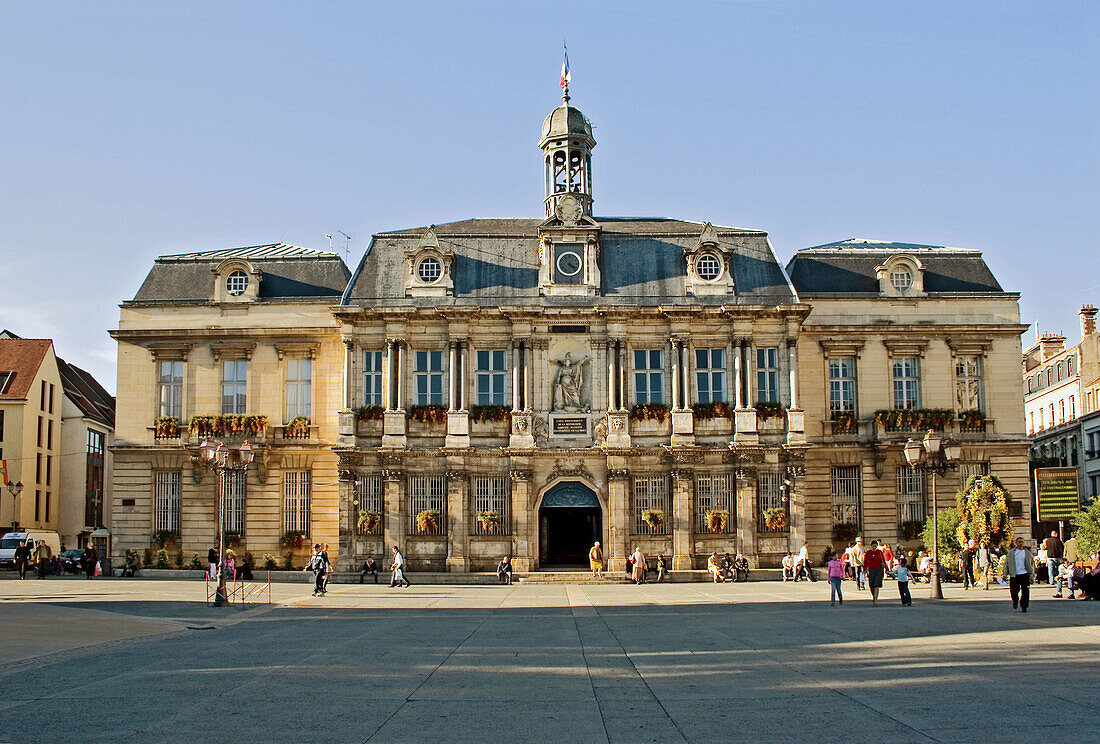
<point>317,565</point>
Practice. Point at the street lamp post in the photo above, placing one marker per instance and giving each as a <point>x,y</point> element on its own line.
<point>933,455</point>
<point>15,489</point>
<point>215,457</point>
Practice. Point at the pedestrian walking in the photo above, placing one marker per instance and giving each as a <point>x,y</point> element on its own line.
<point>662,568</point>
<point>1053,547</point>
<point>90,558</point>
<point>42,555</point>
<point>317,565</point>
<point>836,577</point>
<point>966,564</point>
<point>212,559</point>
<point>857,563</point>
<point>639,566</point>
<point>22,558</point>
<point>875,566</point>
<point>1019,570</point>
<point>369,567</point>
<point>328,565</point>
<point>983,563</point>
<point>397,568</point>
<point>1069,550</point>
<point>595,560</point>
<point>903,576</point>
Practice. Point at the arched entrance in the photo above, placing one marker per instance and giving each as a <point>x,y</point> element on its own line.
<point>570,520</point>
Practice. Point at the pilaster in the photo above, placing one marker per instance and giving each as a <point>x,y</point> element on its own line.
<point>395,518</point>
<point>458,531</point>
<point>523,533</point>
<point>618,513</point>
<point>683,496</point>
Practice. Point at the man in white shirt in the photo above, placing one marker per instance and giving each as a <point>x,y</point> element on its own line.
<point>1019,570</point>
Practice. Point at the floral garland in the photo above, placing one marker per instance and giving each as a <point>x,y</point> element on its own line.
<point>983,512</point>
<point>433,413</point>
<point>297,427</point>
<point>369,413</point>
<point>167,427</point>
<point>915,418</point>
<point>714,410</point>
<point>973,417</point>
<point>844,422</point>
<point>649,412</point>
<point>487,414</point>
<point>227,423</point>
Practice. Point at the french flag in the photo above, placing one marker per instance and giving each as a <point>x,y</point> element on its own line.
<point>566,78</point>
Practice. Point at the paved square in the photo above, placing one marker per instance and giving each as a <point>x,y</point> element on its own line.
<point>136,660</point>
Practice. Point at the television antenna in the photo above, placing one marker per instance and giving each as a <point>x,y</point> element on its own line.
<point>347,245</point>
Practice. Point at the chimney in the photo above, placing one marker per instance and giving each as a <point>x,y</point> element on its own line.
<point>1051,344</point>
<point>1087,313</point>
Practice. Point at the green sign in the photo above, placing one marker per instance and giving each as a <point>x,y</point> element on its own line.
<point>1056,493</point>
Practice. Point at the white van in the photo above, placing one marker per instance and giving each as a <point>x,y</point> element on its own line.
<point>10,541</point>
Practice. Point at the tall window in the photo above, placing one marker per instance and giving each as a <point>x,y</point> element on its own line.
<point>166,503</point>
<point>912,501</point>
<point>1061,411</point>
<point>234,492</point>
<point>842,385</point>
<point>368,492</point>
<point>1072,408</point>
<point>492,377</point>
<point>299,373</point>
<point>93,479</point>
<point>968,383</point>
<point>372,378</point>
<point>649,376</point>
<point>170,389</point>
<point>710,375</point>
<point>428,493</point>
<point>714,493</point>
<point>847,484</point>
<point>767,375</point>
<point>296,493</point>
<point>770,495</point>
<point>234,386</point>
<point>429,378</point>
<point>906,382</point>
<point>491,495</point>
<point>651,493</point>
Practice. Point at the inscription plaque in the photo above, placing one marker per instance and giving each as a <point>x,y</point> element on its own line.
<point>569,425</point>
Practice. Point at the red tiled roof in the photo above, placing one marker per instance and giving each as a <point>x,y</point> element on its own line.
<point>22,356</point>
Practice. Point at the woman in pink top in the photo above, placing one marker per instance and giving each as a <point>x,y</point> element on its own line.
<point>836,575</point>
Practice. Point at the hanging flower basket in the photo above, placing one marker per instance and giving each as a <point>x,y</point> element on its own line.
<point>775,519</point>
<point>490,520</point>
<point>718,520</point>
<point>427,522</point>
<point>655,518</point>
<point>845,532</point>
<point>368,521</point>
<point>232,538</point>
<point>167,427</point>
<point>294,539</point>
<point>432,413</point>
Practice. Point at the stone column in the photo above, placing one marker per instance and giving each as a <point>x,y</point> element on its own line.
<point>796,417</point>
<point>395,515</point>
<point>746,514</point>
<point>738,375</point>
<point>524,534</point>
<point>517,363</point>
<point>387,375</point>
<point>463,374</point>
<point>676,405</point>
<point>525,354</point>
<point>792,364</point>
<point>349,373</point>
<point>452,377</point>
<point>401,354</point>
<point>620,524</point>
<point>458,524</point>
<point>612,381</point>
<point>624,402</point>
<point>683,527</point>
<point>393,420</point>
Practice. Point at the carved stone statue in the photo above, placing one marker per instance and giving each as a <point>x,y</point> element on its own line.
<point>569,385</point>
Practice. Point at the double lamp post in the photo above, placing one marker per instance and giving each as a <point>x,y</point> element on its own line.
<point>15,489</point>
<point>933,455</point>
<point>215,457</point>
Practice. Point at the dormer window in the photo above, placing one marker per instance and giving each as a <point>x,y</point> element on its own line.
<point>902,279</point>
<point>708,266</point>
<point>709,271</point>
<point>429,270</point>
<point>236,283</point>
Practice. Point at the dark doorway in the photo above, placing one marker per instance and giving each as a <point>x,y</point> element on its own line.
<point>570,520</point>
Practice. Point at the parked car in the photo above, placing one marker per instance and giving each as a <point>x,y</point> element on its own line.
<point>72,560</point>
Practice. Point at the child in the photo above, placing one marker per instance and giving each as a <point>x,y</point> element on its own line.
<point>836,576</point>
<point>903,582</point>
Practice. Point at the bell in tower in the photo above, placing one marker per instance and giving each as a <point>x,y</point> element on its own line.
<point>567,153</point>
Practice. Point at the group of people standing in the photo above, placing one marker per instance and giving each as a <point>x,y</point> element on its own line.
<point>868,568</point>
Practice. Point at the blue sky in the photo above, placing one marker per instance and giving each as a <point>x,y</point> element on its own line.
<point>138,129</point>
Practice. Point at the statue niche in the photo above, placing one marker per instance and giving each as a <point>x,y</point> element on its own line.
<point>571,395</point>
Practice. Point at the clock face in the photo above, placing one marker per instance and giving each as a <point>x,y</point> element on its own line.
<point>569,263</point>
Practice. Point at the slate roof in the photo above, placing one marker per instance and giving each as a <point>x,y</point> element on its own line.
<point>22,357</point>
<point>87,394</point>
<point>289,273</point>
<point>848,267</point>
<point>642,264</point>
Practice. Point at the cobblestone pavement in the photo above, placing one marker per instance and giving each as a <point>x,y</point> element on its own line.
<point>135,661</point>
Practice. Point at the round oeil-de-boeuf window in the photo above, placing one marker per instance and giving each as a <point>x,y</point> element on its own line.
<point>236,283</point>
<point>429,270</point>
<point>708,267</point>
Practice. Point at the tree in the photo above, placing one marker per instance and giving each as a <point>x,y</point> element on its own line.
<point>983,512</point>
<point>1086,528</point>
<point>949,541</point>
